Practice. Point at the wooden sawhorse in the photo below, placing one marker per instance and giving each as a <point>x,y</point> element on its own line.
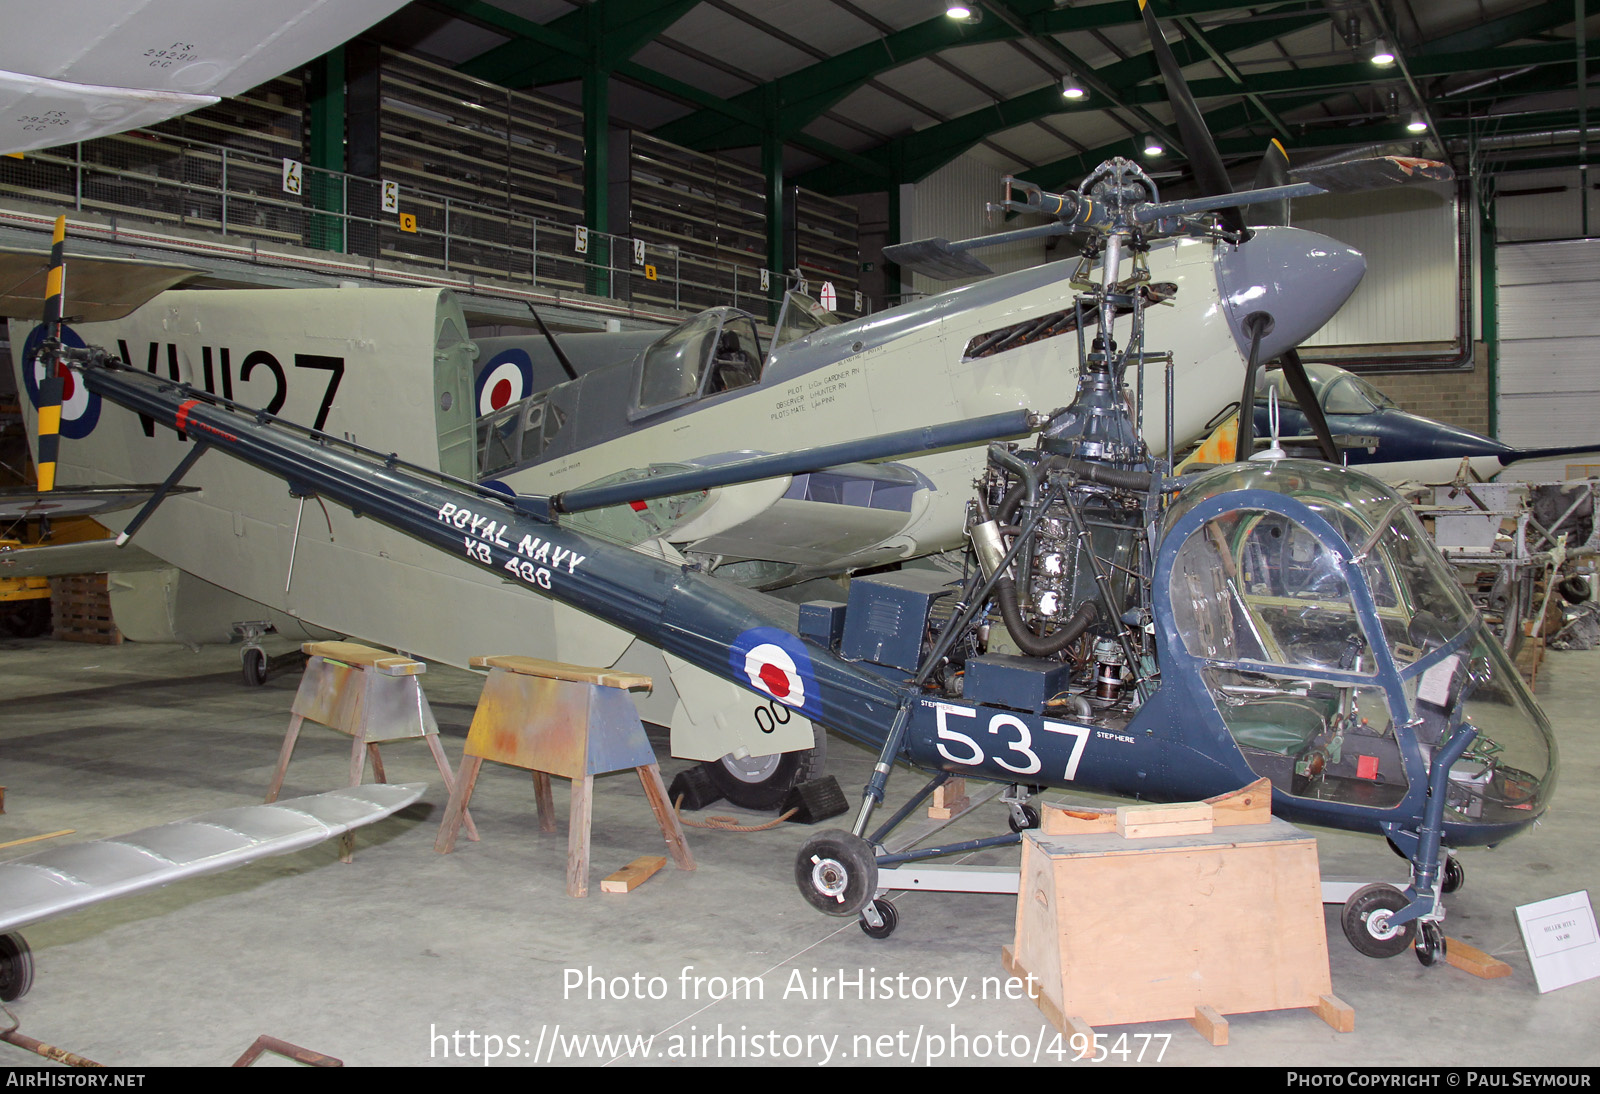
<point>371,695</point>
<point>568,721</point>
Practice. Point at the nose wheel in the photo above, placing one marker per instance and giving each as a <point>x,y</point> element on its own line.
<point>1366,921</point>
<point>16,967</point>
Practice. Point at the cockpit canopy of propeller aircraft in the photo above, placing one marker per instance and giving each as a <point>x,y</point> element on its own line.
<point>715,351</point>
<point>1339,648</point>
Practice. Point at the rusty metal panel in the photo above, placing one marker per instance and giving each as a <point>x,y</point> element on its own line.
<point>558,726</point>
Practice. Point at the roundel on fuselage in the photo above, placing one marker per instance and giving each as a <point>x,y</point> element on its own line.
<point>506,378</point>
<point>80,407</point>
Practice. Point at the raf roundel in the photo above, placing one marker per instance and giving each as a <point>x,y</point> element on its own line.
<point>80,407</point>
<point>506,379</point>
<point>771,669</point>
<point>776,664</point>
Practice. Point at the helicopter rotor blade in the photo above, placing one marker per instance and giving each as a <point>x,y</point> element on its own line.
<point>1352,176</point>
<point>52,385</point>
<point>947,261</point>
<point>1209,171</point>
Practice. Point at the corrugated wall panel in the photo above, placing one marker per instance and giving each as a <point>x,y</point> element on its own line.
<point>1408,234</point>
<point>1537,216</point>
<point>1549,315</point>
<point>950,203</point>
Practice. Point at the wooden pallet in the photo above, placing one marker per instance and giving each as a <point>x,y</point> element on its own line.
<point>80,610</point>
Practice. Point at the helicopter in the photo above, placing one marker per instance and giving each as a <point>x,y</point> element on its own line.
<point>1116,627</point>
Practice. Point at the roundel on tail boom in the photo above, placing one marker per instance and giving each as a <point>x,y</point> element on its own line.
<point>775,663</point>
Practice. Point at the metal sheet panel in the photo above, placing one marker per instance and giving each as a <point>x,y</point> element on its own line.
<point>63,879</point>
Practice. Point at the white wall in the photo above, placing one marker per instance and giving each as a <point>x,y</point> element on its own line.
<point>950,204</point>
<point>1408,235</point>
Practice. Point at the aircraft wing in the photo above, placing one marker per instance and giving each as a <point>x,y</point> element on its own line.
<point>98,556</point>
<point>75,876</point>
<point>90,68</point>
<point>101,288</point>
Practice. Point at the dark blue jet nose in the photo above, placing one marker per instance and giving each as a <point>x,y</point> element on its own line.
<point>1297,277</point>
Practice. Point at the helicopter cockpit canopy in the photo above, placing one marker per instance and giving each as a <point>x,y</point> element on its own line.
<point>1339,648</point>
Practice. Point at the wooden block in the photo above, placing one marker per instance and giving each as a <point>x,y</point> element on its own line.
<point>1250,804</point>
<point>1212,1026</point>
<point>949,800</point>
<point>557,670</point>
<point>633,875</point>
<point>1058,820</point>
<point>1179,819</point>
<point>1471,959</point>
<point>1336,1012</point>
<point>1173,941</point>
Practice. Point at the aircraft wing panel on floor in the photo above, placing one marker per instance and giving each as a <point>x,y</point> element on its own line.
<point>64,879</point>
<point>98,556</point>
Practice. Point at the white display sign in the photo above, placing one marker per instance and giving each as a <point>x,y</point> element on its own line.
<point>638,252</point>
<point>858,300</point>
<point>391,196</point>
<point>766,280</point>
<point>830,296</point>
<point>292,176</point>
<point>1563,945</point>
<point>580,239</point>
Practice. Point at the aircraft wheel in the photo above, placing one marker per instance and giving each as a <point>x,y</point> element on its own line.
<point>1455,875</point>
<point>1366,921</point>
<point>837,872</point>
<point>762,782</point>
<point>1431,944</point>
<point>16,967</point>
<point>1030,819</point>
<point>890,917</point>
<point>253,664</point>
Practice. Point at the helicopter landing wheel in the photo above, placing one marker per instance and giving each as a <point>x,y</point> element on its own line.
<point>1431,944</point>
<point>1030,819</point>
<point>1455,875</point>
<point>890,917</point>
<point>837,872</point>
<point>1366,921</point>
<point>16,967</point>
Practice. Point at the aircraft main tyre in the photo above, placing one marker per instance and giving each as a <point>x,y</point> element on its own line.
<point>1366,921</point>
<point>837,872</point>
<point>762,782</point>
<point>16,967</point>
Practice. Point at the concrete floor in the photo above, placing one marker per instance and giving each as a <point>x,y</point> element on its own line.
<point>388,959</point>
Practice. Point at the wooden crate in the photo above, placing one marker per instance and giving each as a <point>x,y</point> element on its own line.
<point>80,610</point>
<point>1188,926</point>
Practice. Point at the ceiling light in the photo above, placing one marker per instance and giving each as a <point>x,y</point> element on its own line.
<point>1381,54</point>
<point>1152,147</point>
<point>1417,124</point>
<point>958,11</point>
<point>1072,87</point>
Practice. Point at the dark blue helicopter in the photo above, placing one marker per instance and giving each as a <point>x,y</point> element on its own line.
<point>1117,628</point>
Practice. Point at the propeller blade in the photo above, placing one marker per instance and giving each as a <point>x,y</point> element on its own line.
<point>1351,176</point>
<point>572,373</point>
<point>1209,171</point>
<point>52,386</point>
<point>1294,371</point>
<point>1274,171</point>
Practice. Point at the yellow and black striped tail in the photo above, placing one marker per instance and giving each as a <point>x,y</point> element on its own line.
<point>52,385</point>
